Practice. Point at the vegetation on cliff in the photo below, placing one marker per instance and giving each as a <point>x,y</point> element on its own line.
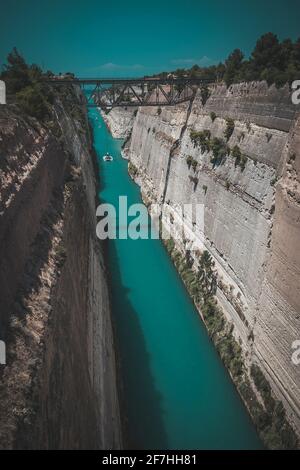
<point>26,88</point>
<point>268,413</point>
<point>219,148</point>
<point>24,83</point>
<point>132,169</point>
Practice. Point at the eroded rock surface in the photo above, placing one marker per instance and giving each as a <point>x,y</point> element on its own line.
<point>58,389</point>
<point>251,221</point>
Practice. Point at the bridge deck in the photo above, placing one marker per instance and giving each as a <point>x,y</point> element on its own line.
<point>111,81</point>
<point>108,93</point>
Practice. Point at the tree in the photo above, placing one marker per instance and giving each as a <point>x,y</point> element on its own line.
<point>16,73</point>
<point>296,53</point>
<point>180,73</point>
<point>220,71</point>
<point>271,60</point>
<point>33,102</point>
<point>24,82</point>
<point>232,66</point>
<point>267,52</point>
<point>286,53</point>
<point>206,275</point>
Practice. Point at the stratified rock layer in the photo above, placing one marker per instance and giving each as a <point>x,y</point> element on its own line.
<point>58,389</point>
<point>251,215</point>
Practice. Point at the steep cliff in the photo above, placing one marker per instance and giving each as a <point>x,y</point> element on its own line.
<point>238,155</point>
<point>120,121</point>
<point>58,388</point>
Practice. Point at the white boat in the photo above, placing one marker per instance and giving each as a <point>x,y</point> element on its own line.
<point>108,158</point>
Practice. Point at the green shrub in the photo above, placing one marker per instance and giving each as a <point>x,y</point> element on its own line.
<point>219,150</point>
<point>170,244</point>
<point>263,387</point>
<point>243,162</point>
<point>236,152</point>
<point>189,160</point>
<point>240,159</point>
<point>61,255</point>
<point>204,92</point>
<point>202,139</point>
<point>273,181</point>
<point>213,116</point>
<point>270,421</point>
<point>132,169</point>
<point>32,102</point>
<point>194,164</point>
<point>194,180</point>
<point>236,366</point>
<point>276,431</point>
<point>24,82</point>
<point>229,128</point>
<point>268,136</point>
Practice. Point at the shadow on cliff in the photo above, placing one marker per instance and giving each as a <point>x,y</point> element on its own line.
<point>141,403</point>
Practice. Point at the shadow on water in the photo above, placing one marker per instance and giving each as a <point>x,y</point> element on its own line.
<point>140,400</point>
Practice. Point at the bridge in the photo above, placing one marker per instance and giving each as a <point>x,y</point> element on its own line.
<point>108,93</point>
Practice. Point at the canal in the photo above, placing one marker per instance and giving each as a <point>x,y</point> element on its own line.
<point>176,393</point>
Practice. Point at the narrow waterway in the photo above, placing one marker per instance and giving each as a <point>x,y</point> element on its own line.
<point>176,391</point>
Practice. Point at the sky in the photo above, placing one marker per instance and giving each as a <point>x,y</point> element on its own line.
<point>138,37</point>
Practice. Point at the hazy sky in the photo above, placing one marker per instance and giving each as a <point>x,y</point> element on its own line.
<point>138,37</point>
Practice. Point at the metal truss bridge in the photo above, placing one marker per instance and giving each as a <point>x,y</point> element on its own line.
<point>108,93</point>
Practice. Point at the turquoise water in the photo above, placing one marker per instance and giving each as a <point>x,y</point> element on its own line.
<point>176,391</point>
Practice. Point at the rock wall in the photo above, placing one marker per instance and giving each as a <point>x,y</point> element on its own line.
<point>58,389</point>
<point>27,154</point>
<point>278,310</point>
<point>251,214</point>
<point>120,121</point>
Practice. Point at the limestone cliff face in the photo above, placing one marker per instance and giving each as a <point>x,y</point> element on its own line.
<point>278,310</point>
<point>120,121</point>
<point>58,389</point>
<point>27,154</point>
<point>251,218</point>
